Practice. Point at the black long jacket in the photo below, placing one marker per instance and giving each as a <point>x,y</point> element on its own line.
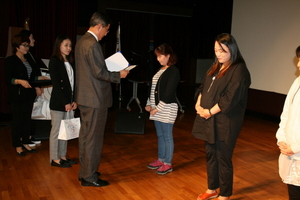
<point>230,92</point>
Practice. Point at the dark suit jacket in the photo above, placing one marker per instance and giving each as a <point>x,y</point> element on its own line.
<point>61,92</point>
<point>15,69</point>
<point>93,80</point>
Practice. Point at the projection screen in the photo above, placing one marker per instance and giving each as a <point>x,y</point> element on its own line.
<point>268,32</point>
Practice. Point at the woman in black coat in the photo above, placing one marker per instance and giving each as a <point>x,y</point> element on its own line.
<point>27,34</point>
<point>19,72</point>
<point>221,104</point>
<point>62,74</point>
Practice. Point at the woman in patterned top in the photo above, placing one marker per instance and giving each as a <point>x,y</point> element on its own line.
<point>162,105</point>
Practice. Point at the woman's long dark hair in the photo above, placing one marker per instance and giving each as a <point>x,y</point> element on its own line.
<point>25,33</point>
<point>235,54</point>
<point>56,48</point>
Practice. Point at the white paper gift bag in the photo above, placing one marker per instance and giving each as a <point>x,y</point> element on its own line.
<point>69,129</point>
<point>37,110</point>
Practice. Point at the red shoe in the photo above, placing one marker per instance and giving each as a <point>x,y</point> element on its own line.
<point>205,196</point>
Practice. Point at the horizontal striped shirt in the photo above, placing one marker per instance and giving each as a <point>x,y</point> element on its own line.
<point>28,68</point>
<point>167,112</point>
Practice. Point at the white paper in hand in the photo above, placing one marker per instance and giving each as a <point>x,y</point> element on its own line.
<point>117,62</point>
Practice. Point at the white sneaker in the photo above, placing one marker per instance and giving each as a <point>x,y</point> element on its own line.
<point>31,144</point>
<point>33,140</point>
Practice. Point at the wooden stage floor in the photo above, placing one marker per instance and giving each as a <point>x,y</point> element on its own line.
<point>124,161</point>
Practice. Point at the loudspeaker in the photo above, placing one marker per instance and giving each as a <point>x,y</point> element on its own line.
<point>132,123</point>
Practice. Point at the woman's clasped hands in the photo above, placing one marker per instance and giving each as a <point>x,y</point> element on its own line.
<point>203,112</point>
<point>285,149</point>
<point>152,111</point>
<point>70,107</point>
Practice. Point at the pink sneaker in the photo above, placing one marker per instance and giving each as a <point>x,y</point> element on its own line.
<point>155,164</point>
<point>164,169</point>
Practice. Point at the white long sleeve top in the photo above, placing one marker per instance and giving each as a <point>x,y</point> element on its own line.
<point>289,126</point>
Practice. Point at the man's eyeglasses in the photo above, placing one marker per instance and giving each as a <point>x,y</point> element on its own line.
<point>106,27</point>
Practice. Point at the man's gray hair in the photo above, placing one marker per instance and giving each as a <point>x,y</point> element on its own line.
<point>99,18</point>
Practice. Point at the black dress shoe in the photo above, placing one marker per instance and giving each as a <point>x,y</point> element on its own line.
<point>71,162</point>
<point>21,153</point>
<point>98,183</point>
<point>97,173</point>
<point>61,163</point>
<point>32,151</point>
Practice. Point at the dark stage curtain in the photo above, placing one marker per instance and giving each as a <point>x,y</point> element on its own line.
<point>48,19</point>
<point>139,29</point>
<point>210,18</point>
<point>191,37</point>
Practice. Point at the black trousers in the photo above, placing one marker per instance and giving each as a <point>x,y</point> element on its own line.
<point>21,123</point>
<point>219,167</point>
<point>294,192</point>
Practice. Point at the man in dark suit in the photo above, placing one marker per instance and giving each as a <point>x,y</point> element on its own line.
<point>94,97</point>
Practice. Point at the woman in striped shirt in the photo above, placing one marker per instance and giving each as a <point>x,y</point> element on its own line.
<point>162,105</point>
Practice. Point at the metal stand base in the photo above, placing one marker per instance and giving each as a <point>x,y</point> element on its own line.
<point>134,96</point>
